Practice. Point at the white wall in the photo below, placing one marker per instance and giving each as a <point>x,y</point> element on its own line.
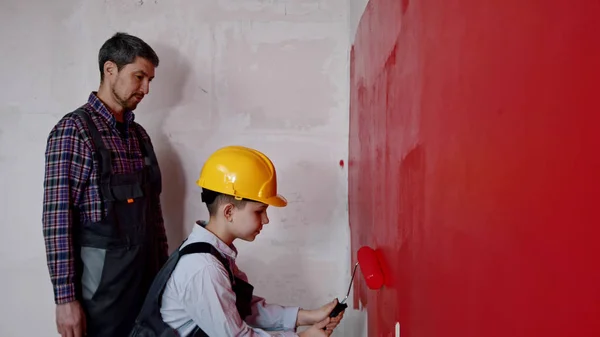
<point>268,74</point>
<point>356,9</point>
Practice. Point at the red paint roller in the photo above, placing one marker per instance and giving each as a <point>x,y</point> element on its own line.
<point>371,270</point>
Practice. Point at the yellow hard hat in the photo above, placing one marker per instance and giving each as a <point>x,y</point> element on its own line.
<point>241,172</point>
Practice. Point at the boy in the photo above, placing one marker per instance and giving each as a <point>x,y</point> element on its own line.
<point>238,184</point>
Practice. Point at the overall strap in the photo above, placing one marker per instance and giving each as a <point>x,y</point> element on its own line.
<point>153,300</point>
<point>204,247</point>
<point>101,154</point>
<point>146,148</point>
<point>149,156</point>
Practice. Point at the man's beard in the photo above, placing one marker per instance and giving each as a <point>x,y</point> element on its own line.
<point>128,104</point>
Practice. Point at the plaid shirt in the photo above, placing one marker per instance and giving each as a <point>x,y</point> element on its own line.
<point>70,182</point>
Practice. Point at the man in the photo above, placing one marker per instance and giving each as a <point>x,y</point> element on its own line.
<point>103,227</point>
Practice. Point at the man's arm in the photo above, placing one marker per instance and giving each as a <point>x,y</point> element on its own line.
<point>67,167</point>
<point>210,301</point>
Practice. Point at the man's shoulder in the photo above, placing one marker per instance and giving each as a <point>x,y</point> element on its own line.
<point>69,123</point>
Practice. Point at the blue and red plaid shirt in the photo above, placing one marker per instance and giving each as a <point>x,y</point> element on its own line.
<point>70,182</point>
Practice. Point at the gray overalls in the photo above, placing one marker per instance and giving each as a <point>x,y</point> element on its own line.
<point>119,255</point>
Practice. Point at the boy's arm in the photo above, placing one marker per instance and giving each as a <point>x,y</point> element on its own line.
<point>272,316</point>
<point>276,317</point>
<point>210,301</point>
<point>269,316</point>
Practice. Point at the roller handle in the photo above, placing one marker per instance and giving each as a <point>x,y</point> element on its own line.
<point>337,310</point>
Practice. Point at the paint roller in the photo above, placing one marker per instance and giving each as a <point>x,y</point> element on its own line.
<point>372,273</point>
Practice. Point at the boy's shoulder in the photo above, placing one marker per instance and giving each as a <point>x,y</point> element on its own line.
<point>190,265</point>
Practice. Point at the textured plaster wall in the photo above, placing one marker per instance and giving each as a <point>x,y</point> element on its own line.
<point>267,74</point>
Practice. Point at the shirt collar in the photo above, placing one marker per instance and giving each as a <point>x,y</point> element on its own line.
<point>98,106</point>
<point>201,234</point>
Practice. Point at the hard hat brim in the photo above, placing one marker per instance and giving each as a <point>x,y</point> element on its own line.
<point>276,201</point>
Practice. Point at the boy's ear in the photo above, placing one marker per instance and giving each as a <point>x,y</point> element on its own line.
<point>228,210</point>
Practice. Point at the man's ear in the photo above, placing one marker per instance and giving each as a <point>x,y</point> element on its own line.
<point>110,68</point>
<point>228,210</point>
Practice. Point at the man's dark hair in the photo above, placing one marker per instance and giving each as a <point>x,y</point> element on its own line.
<point>122,49</point>
<point>214,200</point>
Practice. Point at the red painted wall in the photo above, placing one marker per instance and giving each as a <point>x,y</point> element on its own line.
<point>475,163</point>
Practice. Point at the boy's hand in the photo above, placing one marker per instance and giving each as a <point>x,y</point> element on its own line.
<point>334,322</point>
<point>317,330</point>
<point>310,317</point>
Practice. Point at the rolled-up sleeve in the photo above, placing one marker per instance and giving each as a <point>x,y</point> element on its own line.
<point>210,301</point>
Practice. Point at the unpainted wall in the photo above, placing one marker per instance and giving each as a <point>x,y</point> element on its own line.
<point>473,166</point>
<point>267,74</point>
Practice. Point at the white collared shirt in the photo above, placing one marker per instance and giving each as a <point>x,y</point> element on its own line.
<point>199,293</point>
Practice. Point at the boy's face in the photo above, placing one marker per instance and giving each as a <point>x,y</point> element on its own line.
<point>249,220</point>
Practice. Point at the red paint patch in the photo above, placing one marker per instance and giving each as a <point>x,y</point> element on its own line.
<point>473,166</point>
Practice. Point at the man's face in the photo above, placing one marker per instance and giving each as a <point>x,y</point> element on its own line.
<point>130,84</point>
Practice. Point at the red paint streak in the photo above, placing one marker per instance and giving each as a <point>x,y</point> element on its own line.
<point>342,163</point>
<point>475,166</point>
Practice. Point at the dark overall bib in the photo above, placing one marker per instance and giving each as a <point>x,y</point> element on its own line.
<point>243,290</point>
<point>149,323</point>
<point>119,255</point>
